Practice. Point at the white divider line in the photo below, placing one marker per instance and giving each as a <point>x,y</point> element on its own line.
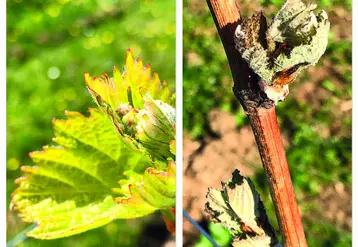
<point>179,122</point>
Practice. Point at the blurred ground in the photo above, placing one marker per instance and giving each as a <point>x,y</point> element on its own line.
<point>315,122</point>
<point>201,161</point>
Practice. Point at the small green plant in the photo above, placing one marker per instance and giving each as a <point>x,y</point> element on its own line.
<point>119,163</point>
<point>220,235</point>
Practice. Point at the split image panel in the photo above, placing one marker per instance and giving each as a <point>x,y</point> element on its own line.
<point>87,83</point>
<point>114,137</point>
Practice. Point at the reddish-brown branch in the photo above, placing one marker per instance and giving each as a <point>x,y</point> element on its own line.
<point>262,115</point>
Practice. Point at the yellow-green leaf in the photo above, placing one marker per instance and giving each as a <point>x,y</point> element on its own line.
<point>74,186</point>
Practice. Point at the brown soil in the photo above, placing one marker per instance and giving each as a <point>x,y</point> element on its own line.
<point>211,161</point>
<point>208,163</point>
<point>335,206</point>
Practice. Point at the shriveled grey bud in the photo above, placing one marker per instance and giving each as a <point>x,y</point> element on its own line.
<point>296,39</point>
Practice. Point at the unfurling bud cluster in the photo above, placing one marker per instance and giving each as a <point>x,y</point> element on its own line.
<point>139,107</point>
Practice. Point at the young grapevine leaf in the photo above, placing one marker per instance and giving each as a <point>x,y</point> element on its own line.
<point>72,188</point>
<point>92,175</point>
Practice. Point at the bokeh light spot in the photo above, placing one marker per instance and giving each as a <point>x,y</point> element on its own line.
<point>53,73</point>
<point>107,5</point>
<point>87,44</point>
<point>76,2</point>
<point>61,105</point>
<point>161,46</point>
<point>74,30</point>
<point>89,32</point>
<point>37,17</point>
<point>53,10</point>
<point>95,41</point>
<point>13,164</point>
<point>107,37</point>
<point>35,99</point>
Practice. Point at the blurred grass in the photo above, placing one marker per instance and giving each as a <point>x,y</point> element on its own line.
<point>50,44</point>
<point>318,128</point>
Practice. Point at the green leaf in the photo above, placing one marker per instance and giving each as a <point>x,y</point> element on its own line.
<point>74,186</point>
<point>156,189</point>
<point>125,87</point>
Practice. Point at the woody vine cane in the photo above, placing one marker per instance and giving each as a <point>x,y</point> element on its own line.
<point>263,61</point>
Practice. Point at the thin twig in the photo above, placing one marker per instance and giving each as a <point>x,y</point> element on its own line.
<point>200,229</point>
<point>20,237</point>
<point>262,115</point>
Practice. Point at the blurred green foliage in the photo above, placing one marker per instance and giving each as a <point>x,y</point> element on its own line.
<point>121,233</point>
<point>50,44</point>
<point>317,127</point>
<point>321,3</point>
<point>220,235</point>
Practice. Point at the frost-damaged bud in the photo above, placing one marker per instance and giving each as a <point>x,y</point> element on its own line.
<point>296,39</point>
<point>138,105</point>
<point>239,209</point>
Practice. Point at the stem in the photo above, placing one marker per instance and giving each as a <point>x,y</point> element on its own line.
<point>169,218</point>
<point>20,237</point>
<point>200,229</point>
<point>262,115</point>
<point>273,156</point>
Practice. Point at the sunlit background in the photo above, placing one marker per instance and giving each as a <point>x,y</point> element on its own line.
<point>50,44</point>
<point>315,121</point>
